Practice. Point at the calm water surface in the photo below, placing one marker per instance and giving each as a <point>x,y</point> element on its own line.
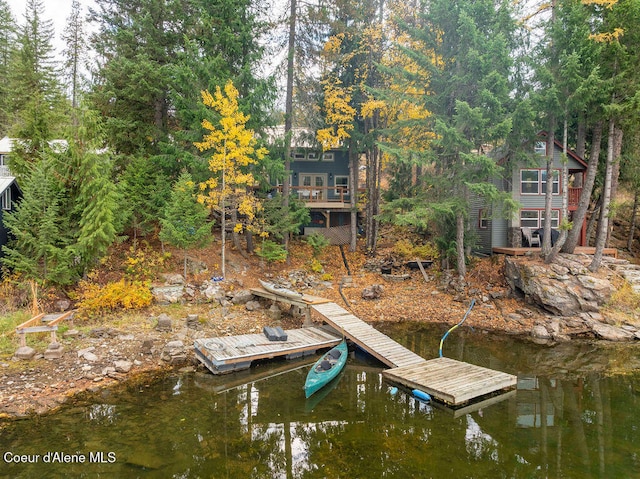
<point>576,414</point>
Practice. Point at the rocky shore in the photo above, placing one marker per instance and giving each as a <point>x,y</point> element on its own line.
<point>549,304</point>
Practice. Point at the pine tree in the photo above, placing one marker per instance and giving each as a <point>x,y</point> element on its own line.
<point>7,44</point>
<point>37,102</point>
<point>75,53</point>
<point>185,222</point>
<point>94,202</point>
<point>40,248</point>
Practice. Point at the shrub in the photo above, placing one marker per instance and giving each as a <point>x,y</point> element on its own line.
<point>272,252</point>
<point>316,266</point>
<point>142,264</point>
<point>318,242</point>
<point>95,299</point>
<point>407,250</point>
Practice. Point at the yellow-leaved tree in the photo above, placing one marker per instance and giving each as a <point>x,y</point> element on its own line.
<point>233,152</point>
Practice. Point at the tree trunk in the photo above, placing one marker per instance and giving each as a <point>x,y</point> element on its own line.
<point>617,149</point>
<point>248,236</point>
<point>603,223</point>
<point>546,237</point>
<point>632,228</point>
<point>462,266</point>
<point>585,195</point>
<point>353,197</point>
<point>581,140</point>
<point>565,196</point>
<point>234,235</point>
<point>373,198</point>
<point>593,220</point>
<point>288,115</point>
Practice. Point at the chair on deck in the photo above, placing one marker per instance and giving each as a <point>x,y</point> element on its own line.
<point>533,241</point>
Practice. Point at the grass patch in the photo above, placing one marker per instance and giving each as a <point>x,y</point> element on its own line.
<point>624,304</point>
<point>9,341</point>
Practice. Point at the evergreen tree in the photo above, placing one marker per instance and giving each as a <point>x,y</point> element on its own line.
<point>7,44</point>
<point>145,190</point>
<point>37,102</point>
<point>75,52</point>
<point>185,221</point>
<point>464,48</point>
<point>94,202</point>
<point>40,248</point>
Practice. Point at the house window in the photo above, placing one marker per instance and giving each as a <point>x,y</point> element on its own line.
<point>298,155</point>
<point>540,148</point>
<point>483,219</point>
<point>556,182</point>
<point>5,199</point>
<point>342,185</point>
<point>327,157</point>
<point>530,182</point>
<point>3,160</point>
<point>312,155</point>
<point>535,218</point>
<point>555,218</point>
<point>534,182</point>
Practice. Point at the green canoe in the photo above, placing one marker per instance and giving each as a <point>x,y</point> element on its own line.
<point>326,368</point>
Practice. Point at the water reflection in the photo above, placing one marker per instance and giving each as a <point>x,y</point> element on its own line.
<point>561,422</point>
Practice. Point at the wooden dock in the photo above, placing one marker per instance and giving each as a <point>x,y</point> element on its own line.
<point>226,354</point>
<point>379,345</point>
<point>452,382</point>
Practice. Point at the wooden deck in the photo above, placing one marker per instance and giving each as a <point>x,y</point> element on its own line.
<point>579,250</point>
<point>366,336</point>
<point>452,382</point>
<point>233,353</point>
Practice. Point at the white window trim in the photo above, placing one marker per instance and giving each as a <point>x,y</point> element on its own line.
<point>483,219</point>
<point>336,191</point>
<point>536,182</point>
<point>328,156</point>
<point>555,218</point>
<point>5,199</point>
<point>541,182</point>
<point>540,147</point>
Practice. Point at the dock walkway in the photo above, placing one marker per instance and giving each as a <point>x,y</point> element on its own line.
<point>450,381</point>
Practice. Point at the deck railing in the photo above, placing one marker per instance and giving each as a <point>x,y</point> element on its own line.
<point>574,196</point>
<point>321,194</point>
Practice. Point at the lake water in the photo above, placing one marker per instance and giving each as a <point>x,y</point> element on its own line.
<point>575,414</point>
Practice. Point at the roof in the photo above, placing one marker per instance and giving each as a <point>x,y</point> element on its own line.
<point>6,145</point>
<point>569,152</point>
<point>5,182</point>
<point>502,157</point>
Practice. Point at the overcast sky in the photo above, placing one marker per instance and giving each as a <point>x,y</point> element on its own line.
<point>56,10</point>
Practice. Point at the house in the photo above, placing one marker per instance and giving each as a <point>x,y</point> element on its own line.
<point>9,191</point>
<point>322,180</point>
<point>527,185</point>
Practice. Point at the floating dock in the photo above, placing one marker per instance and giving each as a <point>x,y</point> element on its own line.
<point>452,382</point>
<point>226,354</point>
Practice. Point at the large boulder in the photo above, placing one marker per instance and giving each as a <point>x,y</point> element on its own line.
<point>170,294</point>
<point>565,288</point>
